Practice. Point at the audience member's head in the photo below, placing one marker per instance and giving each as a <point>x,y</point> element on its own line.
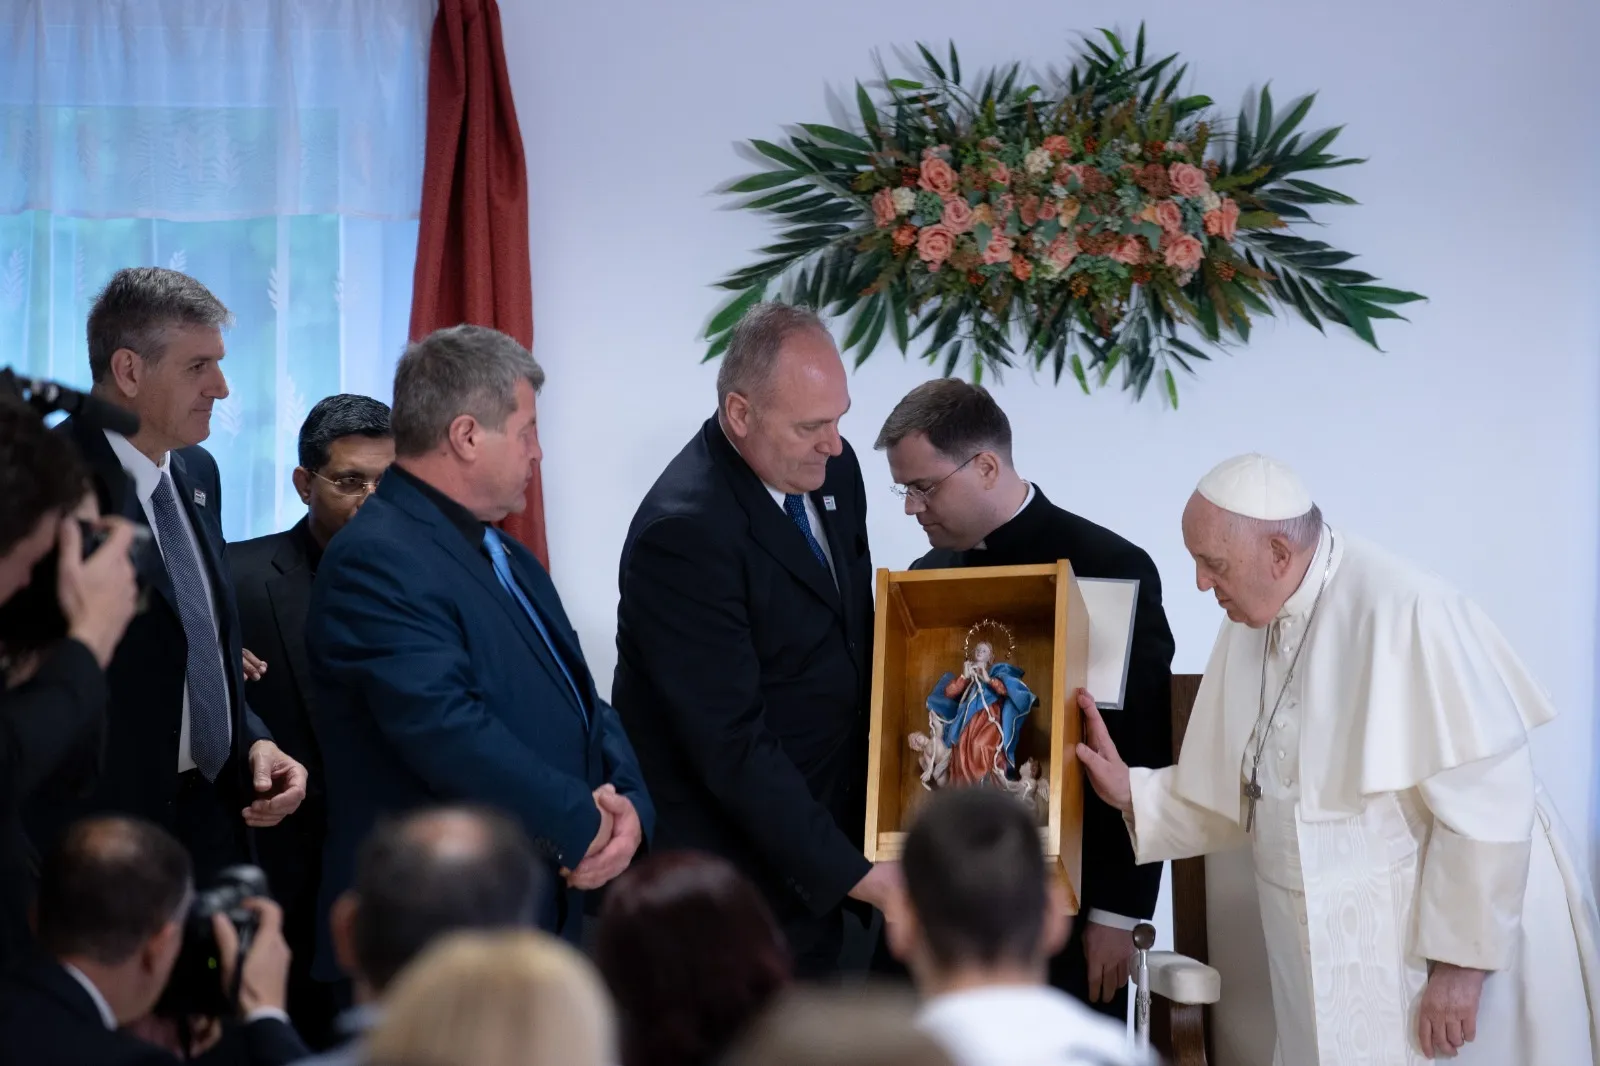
<point>949,447</point>
<point>41,481</point>
<point>781,391</point>
<point>425,875</point>
<point>983,907</point>
<point>464,419</point>
<point>345,446</point>
<point>112,900</point>
<point>691,953</point>
<point>855,1027</point>
<point>155,345</point>
<point>496,999</point>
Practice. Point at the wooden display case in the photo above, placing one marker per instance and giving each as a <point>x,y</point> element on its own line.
<point>923,617</point>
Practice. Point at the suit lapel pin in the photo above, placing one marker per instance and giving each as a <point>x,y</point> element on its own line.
<point>199,498</point>
<point>828,504</point>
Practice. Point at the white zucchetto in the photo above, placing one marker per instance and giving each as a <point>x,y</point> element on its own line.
<point>1256,486</point>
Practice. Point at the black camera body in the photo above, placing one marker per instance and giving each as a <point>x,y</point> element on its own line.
<point>196,988</point>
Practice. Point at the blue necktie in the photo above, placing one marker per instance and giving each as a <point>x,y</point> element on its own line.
<point>502,570</point>
<point>208,691</point>
<point>794,505</point>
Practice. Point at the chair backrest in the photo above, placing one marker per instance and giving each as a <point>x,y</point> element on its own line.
<point>1189,875</point>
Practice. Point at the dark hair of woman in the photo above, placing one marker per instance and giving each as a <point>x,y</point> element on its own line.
<point>691,954</point>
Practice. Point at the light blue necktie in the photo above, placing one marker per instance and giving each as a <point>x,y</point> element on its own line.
<point>502,570</point>
<point>794,505</point>
<point>208,690</point>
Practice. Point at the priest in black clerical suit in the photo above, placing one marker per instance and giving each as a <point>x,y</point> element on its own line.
<point>949,448</point>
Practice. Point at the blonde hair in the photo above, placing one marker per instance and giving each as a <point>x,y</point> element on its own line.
<point>508,998</point>
<point>839,1027</point>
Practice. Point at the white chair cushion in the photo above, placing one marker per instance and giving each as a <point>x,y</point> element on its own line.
<point>1180,979</point>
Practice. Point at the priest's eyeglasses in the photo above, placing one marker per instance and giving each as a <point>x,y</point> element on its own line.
<point>920,496</point>
<point>350,484</point>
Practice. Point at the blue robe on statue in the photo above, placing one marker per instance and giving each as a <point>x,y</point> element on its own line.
<point>954,714</point>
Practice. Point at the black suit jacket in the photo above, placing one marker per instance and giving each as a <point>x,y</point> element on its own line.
<point>148,673</point>
<point>743,673</point>
<point>1142,730</point>
<point>272,581</point>
<point>50,732</point>
<point>48,1019</point>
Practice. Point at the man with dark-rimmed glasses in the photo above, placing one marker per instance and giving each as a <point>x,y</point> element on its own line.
<point>949,449</point>
<point>345,446</point>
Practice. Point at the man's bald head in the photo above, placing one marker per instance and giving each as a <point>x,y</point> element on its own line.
<point>431,873</point>
<point>111,885</point>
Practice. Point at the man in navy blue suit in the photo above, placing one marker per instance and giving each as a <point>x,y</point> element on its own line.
<point>445,668</point>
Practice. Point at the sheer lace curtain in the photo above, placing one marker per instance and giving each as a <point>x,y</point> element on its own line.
<point>273,150</point>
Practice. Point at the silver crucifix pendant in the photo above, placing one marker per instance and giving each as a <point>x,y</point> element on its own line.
<point>1252,792</point>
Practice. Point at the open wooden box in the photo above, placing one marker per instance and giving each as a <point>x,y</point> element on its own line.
<point>922,621</point>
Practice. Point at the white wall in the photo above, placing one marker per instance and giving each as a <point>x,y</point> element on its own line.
<point>1470,446</point>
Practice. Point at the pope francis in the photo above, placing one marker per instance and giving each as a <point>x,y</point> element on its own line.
<point>1364,728</point>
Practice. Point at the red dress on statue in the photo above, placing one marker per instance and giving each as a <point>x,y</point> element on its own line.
<point>978,747</point>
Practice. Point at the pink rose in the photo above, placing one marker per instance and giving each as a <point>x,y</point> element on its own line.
<point>1062,251</point>
<point>1030,210</point>
<point>1130,251</point>
<point>957,215</point>
<point>1187,180</point>
<point>1057,145</point>
<point>883,208</point>
<point>1224,221</point>
<point>1169,216</point>
<point>999,173</point>
<point>934,245</point>
<point>1184,253</point>
<point>937,177</point>
<point>999,250</point>
<point>1048,210</point>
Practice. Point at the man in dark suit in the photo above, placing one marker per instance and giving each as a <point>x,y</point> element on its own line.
<point>345,446</point>
<point>182,747</point>
<point>445,668</point>
<point>949,448</point>
<point>744,635</point>
<point>113,897</point>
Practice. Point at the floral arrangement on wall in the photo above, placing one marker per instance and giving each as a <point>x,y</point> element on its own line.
<point>1088,227</point>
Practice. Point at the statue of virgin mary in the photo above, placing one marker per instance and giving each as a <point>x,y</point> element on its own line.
<point>979,714</point>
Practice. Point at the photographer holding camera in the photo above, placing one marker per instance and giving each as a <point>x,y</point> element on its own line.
<point>121,924</point>
<point>52,674</point>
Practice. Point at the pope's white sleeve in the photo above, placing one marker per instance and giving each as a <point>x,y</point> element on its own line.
<point>1164,825</point>
<point>1475,866</point>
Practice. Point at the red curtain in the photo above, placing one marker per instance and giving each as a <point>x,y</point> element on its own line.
<point>472,247</point>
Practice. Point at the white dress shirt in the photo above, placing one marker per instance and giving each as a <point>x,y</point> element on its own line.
<point>813,518</point>
<point>146,477</point>
<point>1025,1025</point>
<point>100,1004</point>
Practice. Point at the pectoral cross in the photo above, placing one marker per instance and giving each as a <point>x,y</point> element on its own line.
<point>1252,792</point>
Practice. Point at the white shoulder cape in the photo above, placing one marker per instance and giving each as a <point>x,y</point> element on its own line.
<point>1404,677</point>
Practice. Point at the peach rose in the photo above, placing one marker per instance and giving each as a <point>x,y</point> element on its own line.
<point>999,173</point>
<point>904,237</point>
<point>1169,216</point>
<point>1057,145</point>
<point>934,245</point>
<point>958,215</point>
<point>1030,210</point>
<point>937,177</point>
<point>1187,180</point>
<point>1184,253</point>
<point>1224,221</point>
<point>1021,269</point>
<point>1062,251</point>
<point>984,214</point>
<point>999,250</point>
<point>883,208</point>
<point>1048,210</point>
<point>1130,251</point>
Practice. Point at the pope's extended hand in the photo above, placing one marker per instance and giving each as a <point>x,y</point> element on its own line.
<point>1107,772</point>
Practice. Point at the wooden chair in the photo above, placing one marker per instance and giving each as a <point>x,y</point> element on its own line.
<point>1182,983</point>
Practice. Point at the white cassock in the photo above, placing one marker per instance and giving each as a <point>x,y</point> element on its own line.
<point>1400,820</point>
